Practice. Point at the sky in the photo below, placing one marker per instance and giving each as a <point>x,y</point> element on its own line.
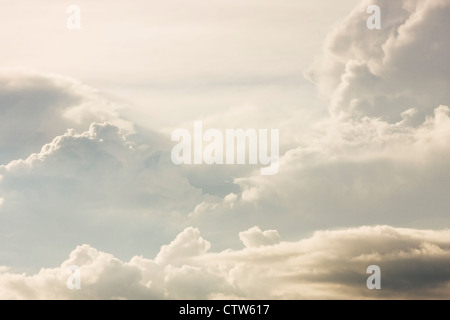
<point>87,178</point>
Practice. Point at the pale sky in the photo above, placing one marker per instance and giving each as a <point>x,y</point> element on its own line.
<point>173,62</point>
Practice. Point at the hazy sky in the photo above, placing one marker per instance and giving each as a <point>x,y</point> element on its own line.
<point>86,176</point>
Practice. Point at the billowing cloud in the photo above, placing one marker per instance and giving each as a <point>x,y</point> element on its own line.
<point>187,244</point>
<point>382,73</point>
<point>328,265</point>
<point>74,171</point>
<point>351,173</point>
<point>104,277</point>
<point>35,107</point>
<point>255,237</point>
<point>98,185</point>
<point>382,155</point>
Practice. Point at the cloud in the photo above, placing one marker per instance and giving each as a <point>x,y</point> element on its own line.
<point>381,155</point>
<point>382,73</point>
<point>380,158</point>
<point>187,244</point>
<point>350,173</point>
<point>35,107</point>
<point>98,186</point>
<point>86,175</point>
<point>103,277</point>
<point>327,265</point>
<point>255,237</point>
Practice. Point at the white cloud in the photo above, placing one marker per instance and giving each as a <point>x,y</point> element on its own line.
<point>255,237</point>
<point>103,277</point>
<point>186,245</point>
<point>98,186</point>
<point>3,269</point>
<point>382,73</point>
<point>381,158</point>
<point>328,265</point>
<point>363,171</point>
<point>36,107</point>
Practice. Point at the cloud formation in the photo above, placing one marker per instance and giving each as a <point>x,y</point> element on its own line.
<point>36,107</point>
<point>75,171</point>
<point>98,185</point>
<point>328,265</point>
<point>255,237</point>
<point>382,155</point>
<point>383,73</point>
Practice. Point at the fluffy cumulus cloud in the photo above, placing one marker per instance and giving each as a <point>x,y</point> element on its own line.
<point>255,237</point>
<point>329,264</point>
<point>93,178</point>
<point>97,185</point>
<point>36,107</point>
<point>370,171</point>
<point>382,73</point>
<point>382,155</point>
